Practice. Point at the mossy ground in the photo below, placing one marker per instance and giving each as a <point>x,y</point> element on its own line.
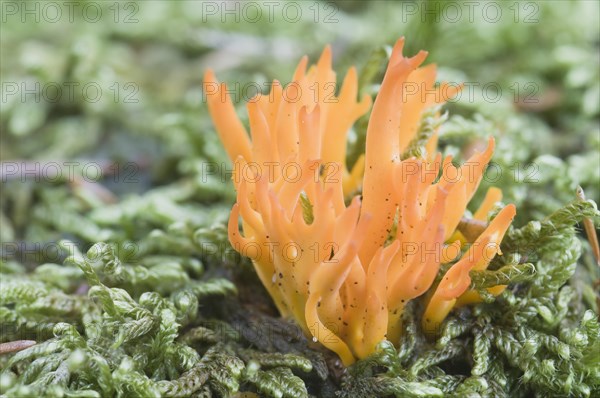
<point>124,277</point>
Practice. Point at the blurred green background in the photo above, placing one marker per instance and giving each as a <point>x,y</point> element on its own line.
<point>118,84</point>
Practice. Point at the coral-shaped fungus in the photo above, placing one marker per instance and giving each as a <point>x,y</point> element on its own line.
<point>345,272</point>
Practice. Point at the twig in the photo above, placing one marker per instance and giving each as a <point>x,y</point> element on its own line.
<point>14,346</point>
<point>590,230</point>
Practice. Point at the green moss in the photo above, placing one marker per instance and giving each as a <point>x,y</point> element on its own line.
<point>126,279</point>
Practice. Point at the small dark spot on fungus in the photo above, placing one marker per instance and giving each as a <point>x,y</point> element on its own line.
<point>280,275</point>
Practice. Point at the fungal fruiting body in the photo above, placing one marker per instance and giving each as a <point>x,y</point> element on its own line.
<point>344,272</point>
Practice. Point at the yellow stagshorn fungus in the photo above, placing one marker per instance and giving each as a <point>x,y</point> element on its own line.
<point>345,272</point>
<point>276,122</point>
